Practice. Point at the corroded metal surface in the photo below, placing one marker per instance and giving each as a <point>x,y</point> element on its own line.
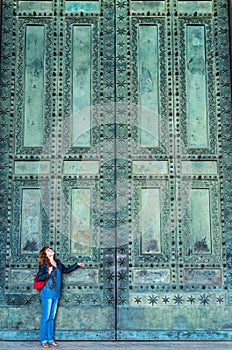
<point>116,151</point>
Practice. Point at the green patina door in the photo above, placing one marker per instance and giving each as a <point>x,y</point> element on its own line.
<point>116,151</point>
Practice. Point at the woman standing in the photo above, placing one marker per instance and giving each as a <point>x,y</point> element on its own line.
<point>50,270</point>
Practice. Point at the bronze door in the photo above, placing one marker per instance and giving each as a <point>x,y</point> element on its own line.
<point>115,147</point>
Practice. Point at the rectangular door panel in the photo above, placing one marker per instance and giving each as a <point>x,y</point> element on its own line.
<point>198,109</point>
<point>115,146</point>
<point>33,63</point>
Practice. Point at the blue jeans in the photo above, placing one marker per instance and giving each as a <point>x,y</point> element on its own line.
<point>49,307</point>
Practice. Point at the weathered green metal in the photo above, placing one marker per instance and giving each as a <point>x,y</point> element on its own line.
<point>196,71</point>
<point>30,230</point>
<point>81,85</point>
<point>148,85</point>
<point>34,86</point>
<point>116,151</point>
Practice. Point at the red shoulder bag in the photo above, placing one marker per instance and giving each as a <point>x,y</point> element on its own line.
<point>39,285</point>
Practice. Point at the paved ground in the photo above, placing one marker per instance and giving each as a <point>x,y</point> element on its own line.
<point>74,345</point>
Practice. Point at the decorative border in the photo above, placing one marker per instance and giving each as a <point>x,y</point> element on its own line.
<point>6,147</point>
<point>224,116</point>
<point>174,335</point>
<point>178,299</point>
<point>61,335</point>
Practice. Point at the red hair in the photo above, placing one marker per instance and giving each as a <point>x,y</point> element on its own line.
<point>43,256</point>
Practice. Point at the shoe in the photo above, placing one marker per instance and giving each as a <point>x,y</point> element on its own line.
<point>53,344</point>
<point>45,345</point>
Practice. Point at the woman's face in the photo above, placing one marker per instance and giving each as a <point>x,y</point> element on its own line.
<point>49,252</point>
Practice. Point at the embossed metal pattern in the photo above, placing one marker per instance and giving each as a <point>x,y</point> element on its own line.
<point>115,150</point>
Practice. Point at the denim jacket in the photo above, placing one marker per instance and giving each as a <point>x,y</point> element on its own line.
<point>43,274</point>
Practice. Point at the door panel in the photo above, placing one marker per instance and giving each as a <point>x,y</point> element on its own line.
<point>116,151</point>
